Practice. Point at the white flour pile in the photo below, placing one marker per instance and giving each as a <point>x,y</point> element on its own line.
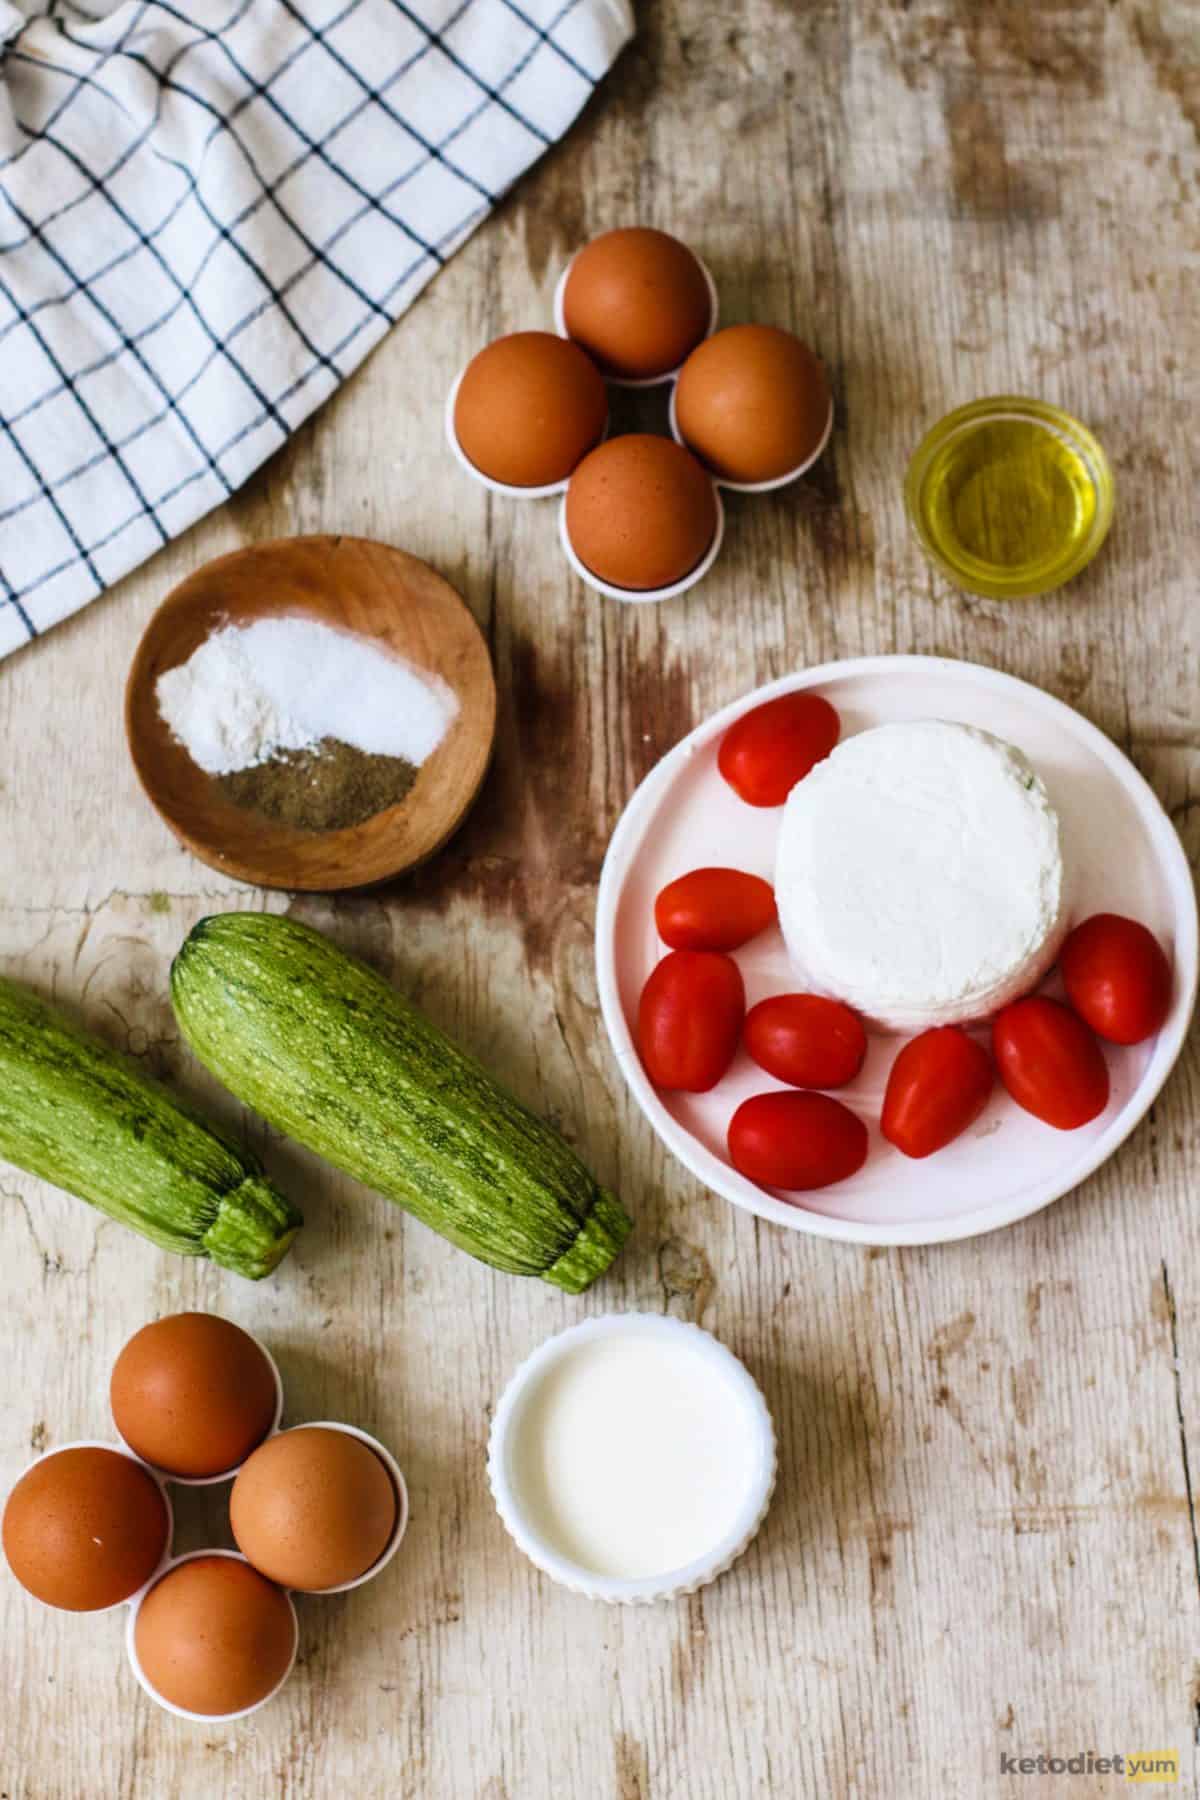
<point>285,684</point>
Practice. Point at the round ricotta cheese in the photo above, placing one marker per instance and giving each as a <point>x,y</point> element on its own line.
<point>919,875</point>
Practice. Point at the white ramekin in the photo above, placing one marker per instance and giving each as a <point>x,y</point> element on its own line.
<point>181,1712</point>
<point>753,487</point>
<point>643,381</point>
<point>162,1475</point>
<point>643,595</point>
<point>672,1582</point>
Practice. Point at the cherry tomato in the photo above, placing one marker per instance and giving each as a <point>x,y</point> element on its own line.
<point>768,750</point>
<point>939,1084</point>
<point>689,1019</point>
<point>714,909</point>
<point>796,1140</point>
<point>1117,978</point>
<point>806,1040</point>
<point>1050,1062</point>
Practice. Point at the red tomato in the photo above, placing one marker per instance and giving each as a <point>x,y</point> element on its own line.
<point>1050,1062</point>
<point>939,1084</point>
<point>768,750</point>
<point>796,1140</point>
<point>689,1019</point>
<point>1117,978</point>
<point>714,909</point>
<point>806,1040</point>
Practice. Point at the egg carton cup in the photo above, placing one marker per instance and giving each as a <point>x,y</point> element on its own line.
<point>674,1583</point>
<point>162,1474</point>
<point>640,381</point>
<point>504,488</point>
<point>755,487</point>
<point>644,595</point>
<point>181,1712</point>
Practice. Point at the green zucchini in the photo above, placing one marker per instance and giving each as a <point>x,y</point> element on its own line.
<point>322,1047</point>
<point>78,1114</point>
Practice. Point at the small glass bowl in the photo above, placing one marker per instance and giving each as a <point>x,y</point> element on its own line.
<point>971,572</point>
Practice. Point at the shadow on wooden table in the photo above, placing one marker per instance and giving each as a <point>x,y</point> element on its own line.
<point>834,1470</point>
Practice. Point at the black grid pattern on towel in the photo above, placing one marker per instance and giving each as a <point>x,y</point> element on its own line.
<point>311,164</point>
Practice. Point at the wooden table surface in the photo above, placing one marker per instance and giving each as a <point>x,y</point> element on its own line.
<point>983,1541</point>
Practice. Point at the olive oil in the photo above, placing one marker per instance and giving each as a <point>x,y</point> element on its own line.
<point>1010,497</point>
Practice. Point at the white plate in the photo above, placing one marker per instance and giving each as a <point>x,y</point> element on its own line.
<point>1123,856</point>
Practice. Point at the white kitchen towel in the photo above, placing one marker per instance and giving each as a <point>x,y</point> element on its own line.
<point>210,211</point>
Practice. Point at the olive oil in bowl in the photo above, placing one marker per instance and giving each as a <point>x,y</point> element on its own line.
<point>1010,497</point>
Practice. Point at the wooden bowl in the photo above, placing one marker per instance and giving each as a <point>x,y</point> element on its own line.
<point>354,585</point>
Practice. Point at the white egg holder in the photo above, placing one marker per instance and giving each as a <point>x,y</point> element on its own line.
<point>642,595</point>
<point>182,1712</point>
<point>637,596</point>
<point>639,381</point>
<point>504,488</point>
<point>172,1563</point>
<point>671,1583</point>
<point>162,1478</point>
<point>118,1449</point>
<point>559,488</point>
<point>399,1484</point>
<point>756,487</point>
<point>162,1474</point>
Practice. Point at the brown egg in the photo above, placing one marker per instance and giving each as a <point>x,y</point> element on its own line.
<point>85,1528</point>
<point>752,402</point>
<point>192,1394</point>
<point>529,407</point>
<point>637,300</point>
<point>313,1508</point>
<point>213,1636</point>
<point>641,512</point>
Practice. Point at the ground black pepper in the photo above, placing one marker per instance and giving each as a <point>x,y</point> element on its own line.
<point>326,788</point>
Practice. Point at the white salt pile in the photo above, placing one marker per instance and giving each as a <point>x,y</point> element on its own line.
<point>248,692</point>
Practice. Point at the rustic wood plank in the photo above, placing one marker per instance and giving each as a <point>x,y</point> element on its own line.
<point>984,1538</point>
